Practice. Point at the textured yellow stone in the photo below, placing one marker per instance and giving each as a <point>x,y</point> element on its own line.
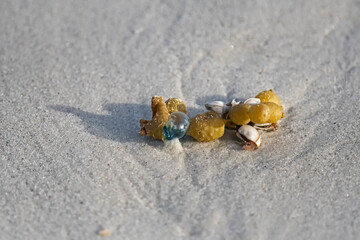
<point>175,105</point>
<point>206,127</point>
<point>269,96</point>
<point>154,127</point>
<point>276,112</point>
<point>239,114</point>
<point>259,113</point>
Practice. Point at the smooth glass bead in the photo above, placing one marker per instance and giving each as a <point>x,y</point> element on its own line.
<point>176,126</point>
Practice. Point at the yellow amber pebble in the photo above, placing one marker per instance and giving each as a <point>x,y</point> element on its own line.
<point>155,100</point>
<point>175,105</point>
<point>259,113</point>
<point>239,114</point>
<point>276,112</point>
<point>206,127</point>
<point>154,127</point>
<point>268,96</point>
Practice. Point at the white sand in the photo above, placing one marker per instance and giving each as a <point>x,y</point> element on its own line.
<point>76,76</point>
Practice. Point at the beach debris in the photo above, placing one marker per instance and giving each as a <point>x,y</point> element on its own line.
<point>268,96</point>
<point>267,112</point>
<point>176,126</point>
<point>250,136</point>
<point>264,111</point>
<point>252,101</point>
<point>276,112</point>
<point>174,108</point>
<point>233,103</point>
<point>175,105</point>
<point>240,114</point>
<point>170,123</point>
<point>160,115</point>
<point>259,113</point>
<point>206,127</point>
<point>220,107</point>
<point>217,106</point>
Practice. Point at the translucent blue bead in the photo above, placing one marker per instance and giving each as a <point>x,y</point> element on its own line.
<point>176,126</point>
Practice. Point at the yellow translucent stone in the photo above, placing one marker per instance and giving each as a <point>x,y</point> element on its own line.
<point>276,112</point>
<point>206,127</point>
<point>268,96</point>
<point>175,105</point>
<point>239,114</point>
<point>259,113</point>
<point>160,115</point>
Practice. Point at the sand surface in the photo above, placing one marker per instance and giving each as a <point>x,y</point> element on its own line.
<point>76,77</point>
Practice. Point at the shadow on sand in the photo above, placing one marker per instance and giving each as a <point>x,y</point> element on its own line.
<point>121,124</point>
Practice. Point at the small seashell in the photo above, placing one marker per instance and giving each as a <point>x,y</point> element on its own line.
<point>217,106</point>
<point>250,136</point>
<point>267,127</point>
<point>233,103</point>
<point>252,101</point>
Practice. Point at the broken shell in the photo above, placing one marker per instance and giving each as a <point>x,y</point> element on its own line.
<point>268,127</point>
<point>217,106</point>
<point>250,136</point>
<point>233,103</point>
<point>252,101</point>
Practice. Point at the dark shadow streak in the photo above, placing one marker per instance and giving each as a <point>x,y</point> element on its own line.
<point>121,124</point>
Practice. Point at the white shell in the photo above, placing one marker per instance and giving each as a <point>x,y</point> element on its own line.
<point>233,103</point>
<point>252,101</point>
<point>217,106</point>
<point>249,133</point>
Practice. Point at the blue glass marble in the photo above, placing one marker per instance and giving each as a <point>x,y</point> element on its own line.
<point>176,126</point>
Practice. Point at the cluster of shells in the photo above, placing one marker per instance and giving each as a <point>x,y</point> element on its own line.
<point>262,112</point>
